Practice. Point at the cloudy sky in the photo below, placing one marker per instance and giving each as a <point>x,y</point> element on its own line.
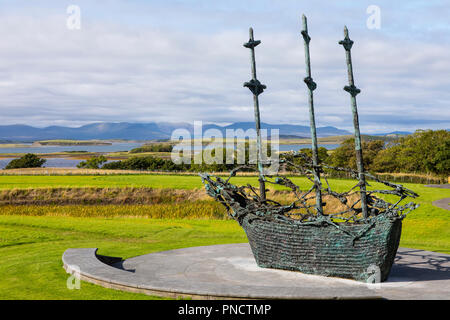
<point>177,61</point>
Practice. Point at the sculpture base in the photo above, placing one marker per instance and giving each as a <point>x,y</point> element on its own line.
<point>230,272</point>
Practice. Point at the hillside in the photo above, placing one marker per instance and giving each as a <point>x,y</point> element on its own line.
<point>143,131</point>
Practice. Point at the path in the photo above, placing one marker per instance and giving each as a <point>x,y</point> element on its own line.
<point>441,203</point>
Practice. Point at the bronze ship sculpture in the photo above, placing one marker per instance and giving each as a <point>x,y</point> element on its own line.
<point>358,242</point>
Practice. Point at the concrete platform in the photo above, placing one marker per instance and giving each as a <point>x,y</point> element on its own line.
<point>230,272</point>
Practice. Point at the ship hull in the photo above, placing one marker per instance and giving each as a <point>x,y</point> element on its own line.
<point>325,249</point>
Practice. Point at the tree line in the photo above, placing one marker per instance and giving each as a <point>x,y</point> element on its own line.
<point>425,151</point>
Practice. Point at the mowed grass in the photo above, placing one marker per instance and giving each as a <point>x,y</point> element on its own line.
<point>31,249</point>
<point>170,181</point>
<point>33,238</point>
<point>154,181</point>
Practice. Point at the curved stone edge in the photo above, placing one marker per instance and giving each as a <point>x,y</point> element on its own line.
<point>114,278</point>
<point>88,271</point>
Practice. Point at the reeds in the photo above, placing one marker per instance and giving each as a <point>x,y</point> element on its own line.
<point>182,210</point>
<point>99,196</point>
<point>126,202</point>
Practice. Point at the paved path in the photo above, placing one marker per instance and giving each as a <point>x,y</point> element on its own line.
<point>441,203</point>
<point>230,271</point>
<point>442,186</point>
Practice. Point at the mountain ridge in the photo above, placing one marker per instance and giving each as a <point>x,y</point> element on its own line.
<point>144,131</point>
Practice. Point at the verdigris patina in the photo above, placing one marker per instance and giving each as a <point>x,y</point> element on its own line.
<point>256,88</point>
<point>347,44</point>
<point>358,241</point>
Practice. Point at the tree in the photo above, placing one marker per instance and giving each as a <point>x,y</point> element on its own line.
<point>344,155</point>
<point>146,163</point>
<point>92,163</point>
<point>322,153</point>
<point>29,160</point>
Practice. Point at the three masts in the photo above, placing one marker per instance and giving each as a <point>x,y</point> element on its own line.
<point>341,243</point>
<point>257,88</point>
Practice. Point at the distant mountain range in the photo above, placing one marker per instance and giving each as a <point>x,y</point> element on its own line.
<point>146,131</point>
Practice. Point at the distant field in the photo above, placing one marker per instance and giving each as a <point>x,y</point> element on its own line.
<point>90,178</point>
<point>125,155</point>
<point>72,143</point>
<point>144,180</point>
<point>13,145</point>
<point>155,181</point>
<point>68,172</point>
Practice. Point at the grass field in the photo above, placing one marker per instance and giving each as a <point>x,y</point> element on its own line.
<point>170,181</point>
<point>33,238</point>
<point>31,249</point>
<point>148,180</point>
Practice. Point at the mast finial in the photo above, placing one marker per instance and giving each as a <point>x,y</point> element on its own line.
<point>304,32</point>
<point>252,43</point>
<point>347,43</point>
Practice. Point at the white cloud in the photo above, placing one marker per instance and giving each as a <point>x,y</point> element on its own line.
<point>118,72</point>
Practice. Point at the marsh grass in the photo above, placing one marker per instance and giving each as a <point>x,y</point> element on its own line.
<point>182,210</point>
<point>96,196</point>
<point>135,197</point>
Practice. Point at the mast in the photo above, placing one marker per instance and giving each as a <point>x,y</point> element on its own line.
<point>256,88</point>
<point>353,91</point>
<point>311,87</point>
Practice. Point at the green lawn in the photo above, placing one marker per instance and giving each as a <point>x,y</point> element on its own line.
<point>148,180</point>
<point>31,246</point>
<point>31,249</point>
<point>155,181</point>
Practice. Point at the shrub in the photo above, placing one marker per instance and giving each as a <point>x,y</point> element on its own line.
<point>92,163</point>
<point>344,155</point>
<point>153,148</point>
<point>29,160</point>
<point>146,163</point>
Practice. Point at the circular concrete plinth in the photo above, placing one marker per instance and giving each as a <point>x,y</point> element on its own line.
<point>230,271</point>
